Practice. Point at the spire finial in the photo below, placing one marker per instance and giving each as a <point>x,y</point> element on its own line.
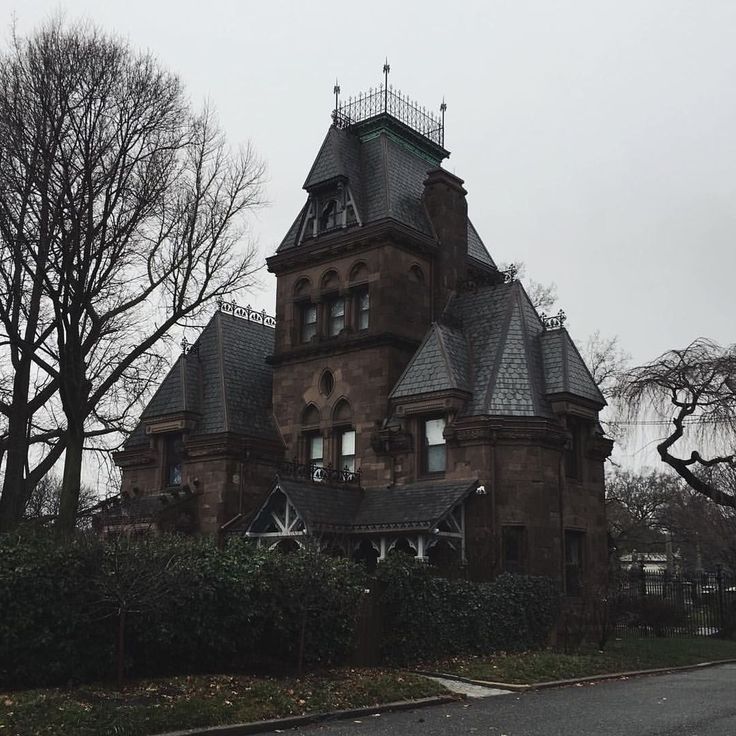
<point>336,90</point>
<point>386,70</point>
<point>443,107</point>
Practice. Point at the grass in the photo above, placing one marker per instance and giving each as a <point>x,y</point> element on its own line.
<point>619,656</point>
<point>154,706</point>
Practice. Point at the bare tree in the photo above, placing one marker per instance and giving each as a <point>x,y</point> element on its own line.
<point>148,204</point>
<point>542,296</point>
<point>45,498</point>
<point>694,388</point>
<point>636,505</point>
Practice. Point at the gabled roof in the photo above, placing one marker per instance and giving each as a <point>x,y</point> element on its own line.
<point>440,364</point>
<point>223,381</point>
<point>564,368</point>
<point>417,506</point>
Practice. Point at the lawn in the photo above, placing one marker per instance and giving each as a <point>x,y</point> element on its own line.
<point>619,656</point>
<point>154,706</point>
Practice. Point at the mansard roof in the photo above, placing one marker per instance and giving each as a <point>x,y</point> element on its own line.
<point>222,383</point>
<point>493,344</point>
<point>385,174</point>
<point>349,509</point>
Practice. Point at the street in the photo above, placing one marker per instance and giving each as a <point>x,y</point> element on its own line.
<point>694,703</point>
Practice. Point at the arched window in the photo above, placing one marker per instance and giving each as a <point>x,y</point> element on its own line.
<point>302,287</point>
<point>330,280</point>
<point>359,272</point>
<point>311,416</point>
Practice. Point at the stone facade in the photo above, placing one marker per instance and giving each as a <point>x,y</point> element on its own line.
<point>391,315</point>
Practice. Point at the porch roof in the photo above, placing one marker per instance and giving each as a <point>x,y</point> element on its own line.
<point>352,510</point>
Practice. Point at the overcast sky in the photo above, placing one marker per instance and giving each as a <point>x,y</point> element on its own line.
<point>597,140</point>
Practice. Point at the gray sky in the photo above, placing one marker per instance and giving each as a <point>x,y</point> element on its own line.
<point>597,139</point>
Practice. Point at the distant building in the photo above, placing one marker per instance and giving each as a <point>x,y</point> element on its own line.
<point>407,396</point>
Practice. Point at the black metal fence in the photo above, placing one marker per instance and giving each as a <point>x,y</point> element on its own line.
<point>646,603</point>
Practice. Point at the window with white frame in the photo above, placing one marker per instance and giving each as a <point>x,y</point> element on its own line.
<point>434,458</point>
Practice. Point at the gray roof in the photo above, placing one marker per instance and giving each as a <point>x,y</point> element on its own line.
<point>385,176</point>
<point>494,346</point>
<point>416,506</point>
<point>440,364</point>
<point>476,247</point>
<point>565,369</point>
<point>223,381</point>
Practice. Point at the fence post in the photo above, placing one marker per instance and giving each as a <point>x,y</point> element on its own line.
<point>642,579</point>
<point>719,583</point>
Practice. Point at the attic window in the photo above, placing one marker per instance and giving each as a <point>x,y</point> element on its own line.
<point>328,218</point>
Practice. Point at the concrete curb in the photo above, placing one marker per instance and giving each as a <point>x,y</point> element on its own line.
<point>514,687</point>
<point>241,729</point>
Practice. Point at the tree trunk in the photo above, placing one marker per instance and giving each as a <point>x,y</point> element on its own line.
<point>121,648</point>
<point>71,481</point>
<point>15,491</point>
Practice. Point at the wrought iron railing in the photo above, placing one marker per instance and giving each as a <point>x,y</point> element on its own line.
<point>319,474</point>
<point>384,99</point>
<point>252,315</point>
<point>554,322</point>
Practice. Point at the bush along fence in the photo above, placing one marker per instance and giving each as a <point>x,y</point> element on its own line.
<point>646,603</point>
<point>94,609</point>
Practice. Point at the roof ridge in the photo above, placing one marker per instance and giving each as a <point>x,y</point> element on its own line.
<point>413,359</point>
<point>445,357</point>
<point>221,369</point>
<point>498,358</point>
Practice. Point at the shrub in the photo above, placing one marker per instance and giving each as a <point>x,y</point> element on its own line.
<point>428,617</point>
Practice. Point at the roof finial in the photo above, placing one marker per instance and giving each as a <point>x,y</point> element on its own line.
<point>336,90</point>
<point>386,70</point>
<point>443,107</point>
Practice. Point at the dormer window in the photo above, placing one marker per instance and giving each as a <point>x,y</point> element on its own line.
<point>331,209</point>
<point>328,218</point>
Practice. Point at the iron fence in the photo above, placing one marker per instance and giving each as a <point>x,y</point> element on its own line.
<point>658,603</point>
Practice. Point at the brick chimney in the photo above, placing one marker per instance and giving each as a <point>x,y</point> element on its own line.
<point>444,199</point>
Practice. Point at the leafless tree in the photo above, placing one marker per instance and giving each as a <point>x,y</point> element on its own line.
<point>144,221</point>
<point>636,504</point>
<point>694,388</point>
<point>45,498</point>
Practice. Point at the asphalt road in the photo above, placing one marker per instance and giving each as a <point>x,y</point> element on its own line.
<point>694,703</point>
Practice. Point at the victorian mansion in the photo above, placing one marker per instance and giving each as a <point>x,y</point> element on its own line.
<point>406,396</point>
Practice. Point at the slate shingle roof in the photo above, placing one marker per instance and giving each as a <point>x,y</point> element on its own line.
<point>223,381</point>
<point>565,370</point>
<point>506,359</point>
<point>386,179</point>
<point>440,364</point>
<point>416,506</point>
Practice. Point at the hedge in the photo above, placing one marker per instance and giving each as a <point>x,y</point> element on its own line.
<point>185,606</point>
<point>425,616</point>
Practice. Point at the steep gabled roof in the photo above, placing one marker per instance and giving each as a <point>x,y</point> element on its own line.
<point>477,249</point>
<point>440,364</point>
<point>416,506</point>
<point>564,368</point>
<point>223,381</point>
